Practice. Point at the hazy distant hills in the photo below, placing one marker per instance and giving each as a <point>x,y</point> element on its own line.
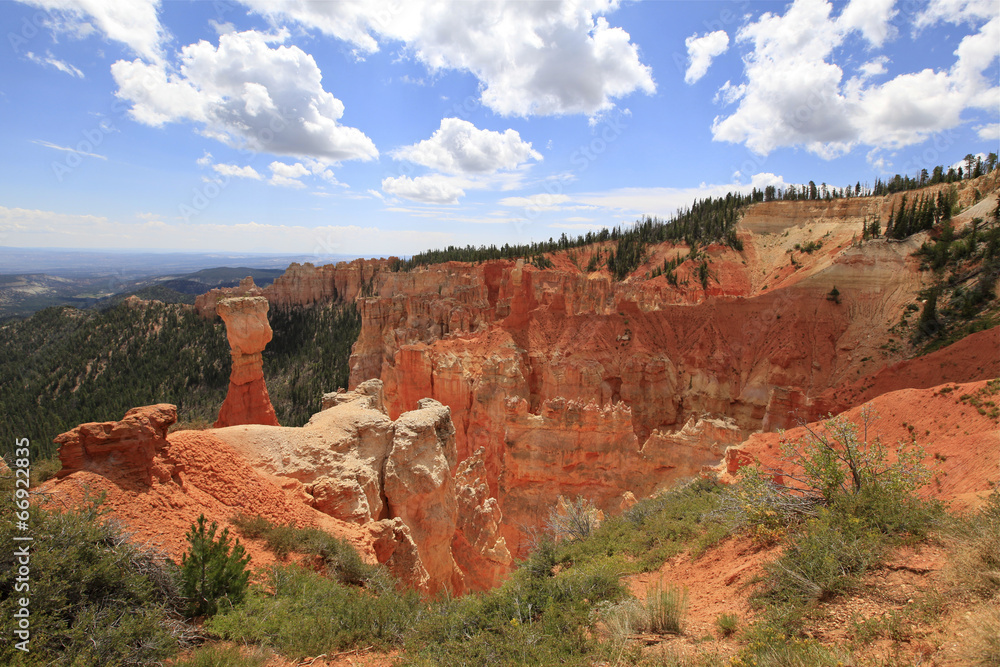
<point>32,279</point>
<point>24,294</point>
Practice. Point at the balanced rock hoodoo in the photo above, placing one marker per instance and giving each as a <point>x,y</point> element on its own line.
<point>249,332</point>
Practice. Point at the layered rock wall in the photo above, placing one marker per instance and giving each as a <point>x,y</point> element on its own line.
<point>570,384</point>
<point>305,285</point>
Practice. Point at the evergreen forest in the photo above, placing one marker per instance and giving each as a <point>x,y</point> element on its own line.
<point>63,366</point>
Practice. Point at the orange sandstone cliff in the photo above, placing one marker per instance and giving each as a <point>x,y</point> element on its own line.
<point>563,382</point>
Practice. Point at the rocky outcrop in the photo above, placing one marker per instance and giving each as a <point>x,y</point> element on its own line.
<point>394,547</point>
<point>206,304</point>
<point>396,479</point>
<point>391,486</point>
<point>248,331</point>
<point>420,490</point>
<point>367,394</point>
<point>129,448</point>
<point>478,546</point>
<point>158,483</point>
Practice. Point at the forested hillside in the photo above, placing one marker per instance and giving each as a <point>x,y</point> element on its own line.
<point>63,366</point>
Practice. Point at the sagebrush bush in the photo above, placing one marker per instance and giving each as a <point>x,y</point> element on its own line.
<point>574,520</point>
<point>95,597</point>
<point>984,635</point>
<point>843,500</point>
<point>215,655</point>
<point>252,526</point>
<point>727,624</point>
<point>768,646</point>
<point>536,617</point>
<point>976,554</point>
<point>825,558</point>
<point>844,469</point>
<point>623,618</point>
<point>654,529</point>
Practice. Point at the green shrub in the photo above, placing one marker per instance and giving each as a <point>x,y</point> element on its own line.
<point>251,526</point>
<point>225,656</point>
<point>842,460</point>
<point>95,597</point>
<point>339,558</point>
<point>984,641</point>
<point>765,645</point>
<point>299,612</point>
<point>727,624</point>
<point>654,529</point>
<point>282,540</point>
<point>573,520</point>
<point>839,467</point>
<point>824,559</point>
<point>536,617</point>
<point>975,562</point>
<point>623,618</point>
<point>212,569</point>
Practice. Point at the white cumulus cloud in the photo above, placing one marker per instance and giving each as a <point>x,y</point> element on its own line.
<point>459,147</point>
<point>248,94</point>
<point>288,175</point>
<point>134,23</point>
<point>796,95</point>
<point>989,131</point>
<point>872,18</point>
<point>533,57</point>
<point>955,11</point>
<point>237,172</point>
<point>431,189</point>
<point>701,51</point>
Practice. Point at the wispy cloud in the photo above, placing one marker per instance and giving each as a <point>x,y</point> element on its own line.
<point>67,149</point>
<point>51,61</point>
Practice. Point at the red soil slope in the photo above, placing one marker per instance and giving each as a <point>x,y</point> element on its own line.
<point>208,478</point>
<point>956,424</point>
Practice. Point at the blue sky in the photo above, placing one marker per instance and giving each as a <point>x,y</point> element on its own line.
<point>378,128</point>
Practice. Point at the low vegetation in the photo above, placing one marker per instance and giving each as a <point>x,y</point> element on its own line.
<point>335,557</point>
<point>845,501</point>
<point>94,597</point>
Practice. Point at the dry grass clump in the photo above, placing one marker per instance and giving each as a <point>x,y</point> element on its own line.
<point>975,566</point>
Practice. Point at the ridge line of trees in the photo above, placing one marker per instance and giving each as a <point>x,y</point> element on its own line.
<point>710,220</point>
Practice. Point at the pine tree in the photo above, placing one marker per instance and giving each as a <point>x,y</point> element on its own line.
<point>212,569</point>
<point>928,324</point>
